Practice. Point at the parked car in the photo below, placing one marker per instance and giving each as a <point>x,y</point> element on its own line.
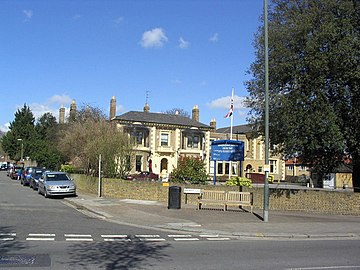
<point>145,175</point>
<point>26,175</point>
<point>34,178</point>
<point>4,167</point>
<point>56,184</point>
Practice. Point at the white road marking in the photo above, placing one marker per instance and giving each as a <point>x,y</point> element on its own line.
<point>179,235</point>
<point>77,235</point>
<point>152,239</point>
<point>117,240</point>
<point>80,239</point>
<point>7,236</point>
<point>39,239</point>
<point>218,239</point>
<point>147,235</point>
<point>42,234</point>
<point>114,235</point>
<point>209,235</point>
<point>186,239</point>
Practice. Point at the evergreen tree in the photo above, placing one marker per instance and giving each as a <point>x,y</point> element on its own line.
<point>314,71</point>
<point>21,134</point>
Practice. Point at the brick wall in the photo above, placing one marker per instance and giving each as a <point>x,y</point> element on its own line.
<point>309,200</point>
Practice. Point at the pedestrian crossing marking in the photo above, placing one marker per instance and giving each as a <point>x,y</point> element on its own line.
<point>113,237</point>
<point>7,236</point>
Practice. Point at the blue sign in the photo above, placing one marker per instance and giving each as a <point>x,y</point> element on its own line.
<point>227,150</point>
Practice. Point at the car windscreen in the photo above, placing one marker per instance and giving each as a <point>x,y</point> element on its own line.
<point>57,177</point>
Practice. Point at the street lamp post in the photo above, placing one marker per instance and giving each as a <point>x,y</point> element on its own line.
<point>267,165</point>
<point>22,149</point>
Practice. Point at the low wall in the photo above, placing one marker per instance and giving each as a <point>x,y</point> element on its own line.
<point>309,200</point>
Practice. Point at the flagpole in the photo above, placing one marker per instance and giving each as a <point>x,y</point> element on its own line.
<point>231,126</point>
<point>232,115</point>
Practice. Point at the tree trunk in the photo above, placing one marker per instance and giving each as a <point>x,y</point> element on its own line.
<point>356,174</point>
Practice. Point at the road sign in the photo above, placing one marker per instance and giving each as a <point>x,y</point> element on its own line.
<point>227,150</point>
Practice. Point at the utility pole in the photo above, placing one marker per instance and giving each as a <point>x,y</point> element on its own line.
<point>267,164</point>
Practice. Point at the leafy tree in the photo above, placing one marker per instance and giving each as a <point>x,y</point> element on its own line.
<point>83,140</point>
<point>178,111</point>
<point>314,72</point>
<point>21,128</point>
<point>190,170</point>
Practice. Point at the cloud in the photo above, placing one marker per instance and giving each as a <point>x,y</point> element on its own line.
<point>119,20</point>
<point>5,127</point>
<point>76,17</point>
<point>214,38</point>
<point>176,81</point>
<point>28,14</point>
<point>120,109</point>
<point>60,99</point>
<point>183,44</point>
<point>51,105</point>
<point>224,103</point>
<point>153,38</point>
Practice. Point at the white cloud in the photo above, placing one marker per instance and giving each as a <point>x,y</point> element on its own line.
<point>153,38</point>
<point>28,14</point>
<point>51,105</point>
<point>39,109</point>
<point>5,127</point>
<point>183,44</point>
<point>176,81</point>
<point>224,103</point>
<point>214,38</point>
<point>119,20</point>
<point>60,99</point>
<point>120,109</point>
<point>76,17</point>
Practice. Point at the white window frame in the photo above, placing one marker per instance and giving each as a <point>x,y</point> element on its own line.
<point>167,139</point>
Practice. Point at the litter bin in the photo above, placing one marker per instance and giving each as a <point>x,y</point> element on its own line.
<point>174,199</point>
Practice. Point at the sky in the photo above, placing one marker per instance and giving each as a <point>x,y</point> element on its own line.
<point>172,54</point>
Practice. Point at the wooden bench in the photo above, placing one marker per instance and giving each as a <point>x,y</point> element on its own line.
<point>235,198</point>
<point>230,198</point>
<point>212,197</point>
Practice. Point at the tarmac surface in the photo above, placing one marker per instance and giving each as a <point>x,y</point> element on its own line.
<point>235,222</point>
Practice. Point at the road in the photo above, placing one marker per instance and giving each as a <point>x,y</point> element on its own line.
<point>40,233</point>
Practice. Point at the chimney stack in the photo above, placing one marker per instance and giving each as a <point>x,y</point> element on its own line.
<point>213,124</point>
<point>146,107</point>
<point>62,115</point>
<point>195,113</point>
<point>112,107</point>
<point>72,110</point>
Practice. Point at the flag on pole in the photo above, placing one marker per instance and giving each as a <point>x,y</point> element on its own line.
<point>231,108</point>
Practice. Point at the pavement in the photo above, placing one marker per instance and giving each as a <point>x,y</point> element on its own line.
<point>235,222</point>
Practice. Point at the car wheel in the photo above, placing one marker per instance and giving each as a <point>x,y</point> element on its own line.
<point>46,195</point>
<point>39,192</point>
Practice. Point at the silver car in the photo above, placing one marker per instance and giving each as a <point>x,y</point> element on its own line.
<point>56,184</point>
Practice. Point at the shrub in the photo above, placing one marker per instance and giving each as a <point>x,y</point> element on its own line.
<point>67,168</point>
<point>239,181</point>
<point>190,170</point>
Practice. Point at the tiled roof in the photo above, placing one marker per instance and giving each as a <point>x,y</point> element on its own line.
<point>160,118</point>
<point>240,129</point>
